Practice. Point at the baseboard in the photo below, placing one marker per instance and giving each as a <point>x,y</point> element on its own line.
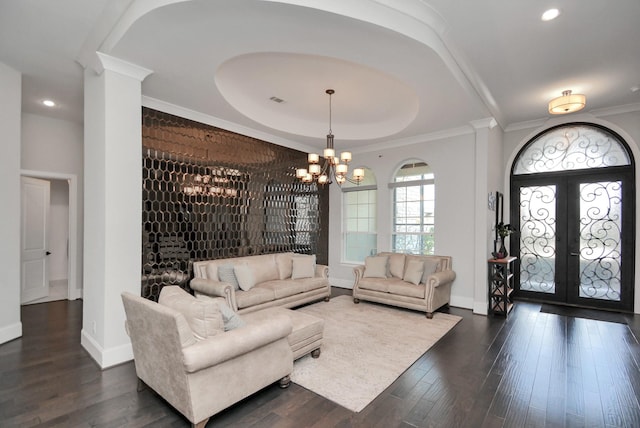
<point>480,308</point>
<point>461,302</point>
<point>75,294</point>
<point>10,332</point>
<point>106,357</point>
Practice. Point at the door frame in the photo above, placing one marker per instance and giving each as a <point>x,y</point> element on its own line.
<point>73,292</point>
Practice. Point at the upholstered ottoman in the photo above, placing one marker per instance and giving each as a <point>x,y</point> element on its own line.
<point>306,335</point>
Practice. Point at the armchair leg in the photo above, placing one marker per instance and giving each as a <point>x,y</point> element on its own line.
<point>200,424</point>
<point>430,315</point>
<point>356,301</point>
<point>285,382</point>
<point>315,353</point>
<point>326,299</point>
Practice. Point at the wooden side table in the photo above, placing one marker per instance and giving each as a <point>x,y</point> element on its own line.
<point>501,285</point>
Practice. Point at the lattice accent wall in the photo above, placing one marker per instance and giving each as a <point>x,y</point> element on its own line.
<point>209,193</point>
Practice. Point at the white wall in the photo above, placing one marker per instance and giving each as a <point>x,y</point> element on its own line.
<point>10,106</point>
<point>57,146</point>
<point>453,163</point>
<point>626,124</point>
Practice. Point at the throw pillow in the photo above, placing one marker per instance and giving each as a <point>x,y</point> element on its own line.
<point>227,274</point>
<point>375,267</point>
<point>413,273</point>
<point>303,266</point>
<point>285,265</point>
<point>246,279</point>
<point>396,265</point>
<point>431,266</point>
<point>203,317</point>
<point>230,318</point>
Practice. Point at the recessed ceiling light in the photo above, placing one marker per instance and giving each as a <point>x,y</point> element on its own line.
<point>49,103</point>
<point>550,14</point>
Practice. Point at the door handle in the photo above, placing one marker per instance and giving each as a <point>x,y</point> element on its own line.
<point>574,254</point>
<point>47,253</point>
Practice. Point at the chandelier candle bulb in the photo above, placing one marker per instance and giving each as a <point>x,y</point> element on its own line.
<point>313,158</point>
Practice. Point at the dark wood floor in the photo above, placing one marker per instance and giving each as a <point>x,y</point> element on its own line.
<point>534,370</point>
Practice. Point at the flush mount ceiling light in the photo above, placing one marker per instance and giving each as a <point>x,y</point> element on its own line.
<point>567,103</point>
<point>550,14</point>
<point>331,169</point>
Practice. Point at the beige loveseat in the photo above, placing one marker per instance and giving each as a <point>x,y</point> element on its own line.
<point>182,351</point>
<point>282,279</point>
<point>422,283</point>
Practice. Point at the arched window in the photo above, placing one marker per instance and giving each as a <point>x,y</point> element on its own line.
<point>413,209</point>
<point>360,225</point>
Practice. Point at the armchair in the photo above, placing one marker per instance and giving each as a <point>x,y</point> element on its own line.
<point>200,377</point>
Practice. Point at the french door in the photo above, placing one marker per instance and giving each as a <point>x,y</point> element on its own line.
<point>575,239</point>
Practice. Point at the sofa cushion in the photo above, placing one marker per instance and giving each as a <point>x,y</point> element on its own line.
<point>303,266</point>
<point>203,317</point>
<point>431,266</point>
<point>375,267</point>
<point>227,274</point>
<point>285,265</point>
<point>253,297</point>
<point>396,265</point>
<point>375,284</point>
<point>283,287</point>
<point>245,276</point>
<point>413,272</point>
<point>403,288</point>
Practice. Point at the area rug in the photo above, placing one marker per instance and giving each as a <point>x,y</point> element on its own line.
<point>365,348</point>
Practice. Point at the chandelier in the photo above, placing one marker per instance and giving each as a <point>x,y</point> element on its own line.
<point>332,167</point>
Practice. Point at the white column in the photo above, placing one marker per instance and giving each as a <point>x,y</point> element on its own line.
<point>10,124</point>
<point>113,207</point>
<point>488,161</point>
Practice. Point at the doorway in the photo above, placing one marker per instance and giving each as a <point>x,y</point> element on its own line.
<point>65,251</point>
<point>572,203</point>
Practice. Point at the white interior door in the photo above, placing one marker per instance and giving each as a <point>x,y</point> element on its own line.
<point>34,241</point>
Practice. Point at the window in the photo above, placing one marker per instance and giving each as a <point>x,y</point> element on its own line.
<point>359,226</point>
<point>413,209</point>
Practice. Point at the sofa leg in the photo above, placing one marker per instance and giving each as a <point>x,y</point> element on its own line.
<point>430,315</point>
<point>315,353</point>
<point>356,301</point>
<point>141,385</point>
<point>200,424</point>
<point>285,382</point>
<point>326,299</point>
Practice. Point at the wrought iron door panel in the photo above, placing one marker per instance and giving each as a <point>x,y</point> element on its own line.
<point>538,238</point>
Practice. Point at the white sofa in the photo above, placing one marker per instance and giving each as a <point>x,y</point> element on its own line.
<point>281,279</point>
<point>418,282</point>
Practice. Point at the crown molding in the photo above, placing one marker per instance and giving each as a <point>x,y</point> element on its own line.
<point>610,111</point>
<point>108,62</point>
